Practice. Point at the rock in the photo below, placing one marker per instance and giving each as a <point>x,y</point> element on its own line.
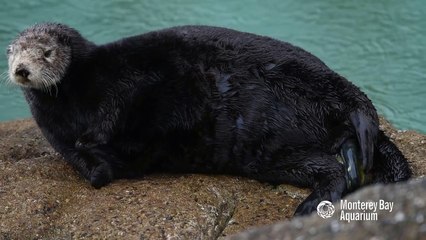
<point>407,220</point>
<point>411,144</point>
<point>41,197</point>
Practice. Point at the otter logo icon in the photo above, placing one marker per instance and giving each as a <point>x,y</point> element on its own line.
<point>325,209</point>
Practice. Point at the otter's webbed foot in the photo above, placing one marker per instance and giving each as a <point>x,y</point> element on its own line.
<point>366,130</point>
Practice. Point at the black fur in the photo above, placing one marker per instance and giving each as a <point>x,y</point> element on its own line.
<point>210,100</point>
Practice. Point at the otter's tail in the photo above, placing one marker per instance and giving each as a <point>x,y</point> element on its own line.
<point>390,164</point>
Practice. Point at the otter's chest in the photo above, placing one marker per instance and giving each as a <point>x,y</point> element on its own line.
<point>59,113</point>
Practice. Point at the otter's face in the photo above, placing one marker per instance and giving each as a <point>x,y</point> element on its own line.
<point>37,61</point>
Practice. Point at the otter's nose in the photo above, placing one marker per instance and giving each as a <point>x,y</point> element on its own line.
<point>21,71</point>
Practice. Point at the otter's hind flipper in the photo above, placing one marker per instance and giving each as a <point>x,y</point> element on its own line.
<point>366,130</point>
<point>391,165</point>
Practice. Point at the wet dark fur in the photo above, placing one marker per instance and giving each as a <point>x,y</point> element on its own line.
<point>210,100</point>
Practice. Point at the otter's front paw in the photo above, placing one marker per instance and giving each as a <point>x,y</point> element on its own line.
<point>101,175</point>
<point>90,139</point>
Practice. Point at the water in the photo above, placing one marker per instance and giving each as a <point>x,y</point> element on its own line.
<point>378,45</point>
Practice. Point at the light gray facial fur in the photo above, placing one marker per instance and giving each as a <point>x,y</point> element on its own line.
<point>38,60</point>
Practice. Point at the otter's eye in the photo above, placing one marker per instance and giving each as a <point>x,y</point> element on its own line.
<point>47,53</point>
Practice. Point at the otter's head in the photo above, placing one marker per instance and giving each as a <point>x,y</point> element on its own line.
<point>40,56</point>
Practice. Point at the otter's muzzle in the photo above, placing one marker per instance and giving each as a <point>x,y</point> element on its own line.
<point>22,71</point>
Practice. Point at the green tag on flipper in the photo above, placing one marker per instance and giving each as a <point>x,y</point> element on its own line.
<point>351,158</point>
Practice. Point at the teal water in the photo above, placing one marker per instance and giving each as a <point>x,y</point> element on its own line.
<point>379,45</point>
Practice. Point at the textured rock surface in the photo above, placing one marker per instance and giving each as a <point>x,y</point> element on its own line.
<point>411,144</point>
<point>407,220</point>
<point>41,197</point>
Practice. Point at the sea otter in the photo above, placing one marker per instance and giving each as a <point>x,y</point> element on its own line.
<point>201,99</point>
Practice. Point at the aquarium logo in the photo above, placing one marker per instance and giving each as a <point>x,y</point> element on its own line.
<point>325,209</point>
<point>355,210</point>
<point>363,210</point>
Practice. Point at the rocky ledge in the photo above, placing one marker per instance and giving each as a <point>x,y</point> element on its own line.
<point>41,197</point>
<point>400,213</point>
